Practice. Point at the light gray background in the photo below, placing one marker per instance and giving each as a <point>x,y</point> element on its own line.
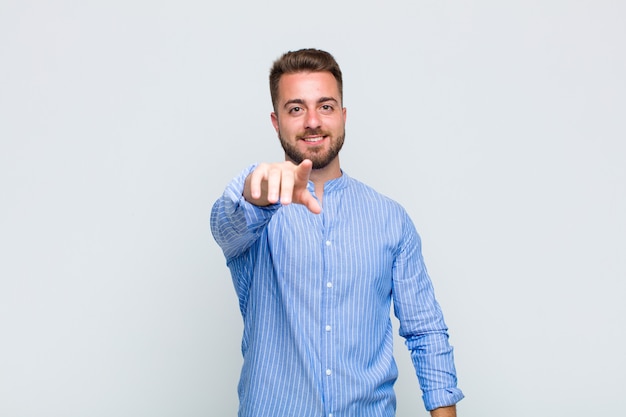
<point>500,125</point>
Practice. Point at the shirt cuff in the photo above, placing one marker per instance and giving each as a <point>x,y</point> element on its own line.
<point>254,215</point>
<point>442,398</point>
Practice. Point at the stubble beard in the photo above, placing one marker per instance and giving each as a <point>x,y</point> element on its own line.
<point>317,155</point>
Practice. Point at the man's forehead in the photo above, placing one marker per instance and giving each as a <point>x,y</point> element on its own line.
<point>309,85</point>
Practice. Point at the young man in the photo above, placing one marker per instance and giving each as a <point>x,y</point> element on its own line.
<point>316,258</point>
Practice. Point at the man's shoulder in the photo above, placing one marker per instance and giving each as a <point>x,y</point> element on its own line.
<point>361,187</point>
<point>369,194</point>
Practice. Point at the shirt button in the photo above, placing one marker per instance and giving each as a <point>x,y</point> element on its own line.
<point>329,284</point>
<point>328,243</point>
<point>327,328</point>
<point>329,372</point>
<point>330,415</point>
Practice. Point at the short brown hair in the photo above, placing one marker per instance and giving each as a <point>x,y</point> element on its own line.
<point>303,60</point>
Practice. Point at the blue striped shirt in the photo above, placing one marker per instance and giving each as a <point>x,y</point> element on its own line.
<point>315,293</point>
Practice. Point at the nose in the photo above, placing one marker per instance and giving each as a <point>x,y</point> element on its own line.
<point>312,120</point>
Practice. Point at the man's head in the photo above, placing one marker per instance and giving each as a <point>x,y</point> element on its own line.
<point>309,117</point>
<point>304,60</point>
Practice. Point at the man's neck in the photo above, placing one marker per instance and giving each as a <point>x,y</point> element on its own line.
<point>321,176</point>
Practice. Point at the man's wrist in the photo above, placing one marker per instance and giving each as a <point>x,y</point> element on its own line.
<point>444,411</point>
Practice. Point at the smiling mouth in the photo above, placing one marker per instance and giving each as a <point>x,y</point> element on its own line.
<point>313,139</point>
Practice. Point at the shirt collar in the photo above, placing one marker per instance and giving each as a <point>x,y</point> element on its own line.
<point>334,184</point>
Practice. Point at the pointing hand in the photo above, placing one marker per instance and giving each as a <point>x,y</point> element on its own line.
<point>284,181</point>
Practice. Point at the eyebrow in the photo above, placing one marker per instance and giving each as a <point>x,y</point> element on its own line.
<point>319,101</point>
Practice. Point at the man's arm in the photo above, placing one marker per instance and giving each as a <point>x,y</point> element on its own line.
<point>249,202</point>
<point>444,411</point>
<point>423,326</point>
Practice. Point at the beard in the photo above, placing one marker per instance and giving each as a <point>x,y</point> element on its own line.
<point>318,155</point>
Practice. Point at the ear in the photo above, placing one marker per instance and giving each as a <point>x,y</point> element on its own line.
<point>345,114</point>
<point>274,118</point>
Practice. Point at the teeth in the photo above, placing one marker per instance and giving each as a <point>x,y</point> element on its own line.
<point>313,139</point>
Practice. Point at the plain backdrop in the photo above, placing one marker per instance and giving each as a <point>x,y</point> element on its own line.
<point>499,125</point>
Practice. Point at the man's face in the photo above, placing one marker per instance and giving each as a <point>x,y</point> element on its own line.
<point>309,119</point>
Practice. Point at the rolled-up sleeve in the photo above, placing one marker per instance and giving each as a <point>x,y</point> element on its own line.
<point>235,223</point>
<point>422,324</point>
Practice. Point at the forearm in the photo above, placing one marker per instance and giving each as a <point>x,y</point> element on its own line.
<point>434,364</point>
<point>235,223</point>
<point>444,411</point>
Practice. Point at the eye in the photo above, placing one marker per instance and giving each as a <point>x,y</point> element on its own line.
<point>295,109</point>
<point>326,108</point>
